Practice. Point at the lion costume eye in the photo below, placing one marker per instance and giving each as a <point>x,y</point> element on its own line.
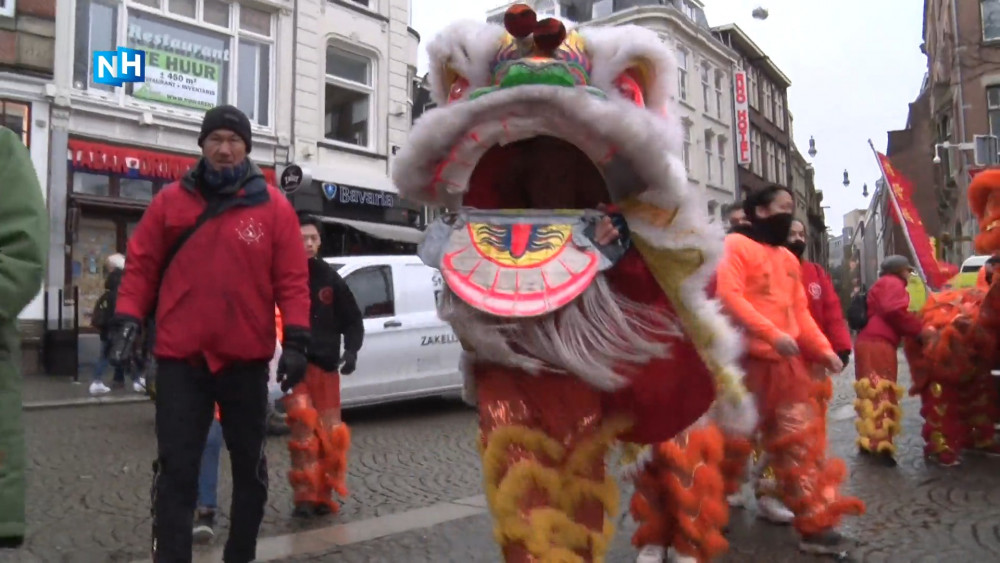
<point>459,87</point>
<point>628,86</point>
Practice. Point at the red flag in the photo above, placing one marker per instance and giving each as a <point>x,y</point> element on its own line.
<point>934,273</point>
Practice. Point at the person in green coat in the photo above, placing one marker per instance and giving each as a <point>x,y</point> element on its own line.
<point>23,245</point>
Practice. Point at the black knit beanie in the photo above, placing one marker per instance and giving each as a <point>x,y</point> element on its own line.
<point>229,118</point>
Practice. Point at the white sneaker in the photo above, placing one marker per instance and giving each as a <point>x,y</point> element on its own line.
<point>773,510</point>
<point>651,554</point>
<point>99,388</point>
<point>140,385</point>
<point>735,500</point>
<point>678,558</point>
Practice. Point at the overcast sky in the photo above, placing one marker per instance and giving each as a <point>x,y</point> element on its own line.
<point>854,67</point>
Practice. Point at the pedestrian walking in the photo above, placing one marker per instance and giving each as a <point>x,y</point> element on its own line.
<point>212,256</point>
<point>23,242</point>
<point>104,310</point>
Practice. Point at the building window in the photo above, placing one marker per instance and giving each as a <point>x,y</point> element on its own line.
<point>756,154</point>
<point>991,19</point>
<point>17,117</point>
<point>114,186</point>
<point>199,53</point>
<point>687,147</point>
<point>772,161</point>
<point>365,3</point>
<point>720,78</point>
<point>372,289</point>
<point>722,160</point>
<point>682,73</point>
<point>706,86</point>
<point>782,167</point>
<point>779,109</point>
<point>689,11</point>
<point>768,104</point>
<point>349,90</point>
<point>709,154</point>
<point>752,87</point>
<point>993,103</point>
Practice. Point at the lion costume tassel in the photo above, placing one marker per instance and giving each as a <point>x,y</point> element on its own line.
<point>572,241</point>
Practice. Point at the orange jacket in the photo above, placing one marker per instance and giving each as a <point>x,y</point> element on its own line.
<point>760,287</point>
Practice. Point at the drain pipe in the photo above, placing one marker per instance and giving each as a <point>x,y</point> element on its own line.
<point>293,153</point>
<point>963,177</point>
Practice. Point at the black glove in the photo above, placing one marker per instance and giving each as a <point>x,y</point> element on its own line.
<point>124,330</point>
<point>293,362</point>
<point>350,362</point>
<point>845,356</point>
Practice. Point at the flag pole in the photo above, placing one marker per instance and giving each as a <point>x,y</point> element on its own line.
<point>899,217</point>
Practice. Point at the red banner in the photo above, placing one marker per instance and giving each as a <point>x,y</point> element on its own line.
<point>101,158</point>
<point>936,273</point>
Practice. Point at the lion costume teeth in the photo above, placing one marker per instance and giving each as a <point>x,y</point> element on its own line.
<point>532,116</point>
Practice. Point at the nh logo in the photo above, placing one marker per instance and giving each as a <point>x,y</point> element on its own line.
<point>115,68</point>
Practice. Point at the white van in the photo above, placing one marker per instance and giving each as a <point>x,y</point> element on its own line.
<point>408,351</point>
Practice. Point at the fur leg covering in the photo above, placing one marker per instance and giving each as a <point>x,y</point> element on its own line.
<point>680,499</point>
<point>306,476</point>
<point>879,414</point>
<point>809,482</point>
<point>736,455</point>
<point>544,441</point>
<point>944,432</point>
<point>335,442</point>
<point>981,406</point>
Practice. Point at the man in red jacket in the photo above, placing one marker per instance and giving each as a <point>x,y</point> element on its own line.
<point>211,256</point>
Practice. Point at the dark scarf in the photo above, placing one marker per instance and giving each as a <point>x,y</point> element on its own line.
<point>772,231</point>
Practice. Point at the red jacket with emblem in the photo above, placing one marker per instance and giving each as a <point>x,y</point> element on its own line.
<point>824,304</point>
<point>217,296</point>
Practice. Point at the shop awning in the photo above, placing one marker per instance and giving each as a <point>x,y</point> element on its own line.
<point>383,231</point>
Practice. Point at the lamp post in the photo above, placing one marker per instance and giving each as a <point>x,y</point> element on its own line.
<point>847,179</point>
<point>812,147</point>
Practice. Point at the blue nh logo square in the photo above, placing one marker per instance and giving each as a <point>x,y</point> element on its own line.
<point>115,68</point>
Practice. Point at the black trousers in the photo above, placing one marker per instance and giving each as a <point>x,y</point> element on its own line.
<point>186,395</point>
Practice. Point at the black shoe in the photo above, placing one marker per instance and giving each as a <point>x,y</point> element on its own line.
<point>204,526</point>
<point>11,542</point>
<point>322,509</point>
<point>304,510</point>
<point>885,459</point>
<point>827,542</point>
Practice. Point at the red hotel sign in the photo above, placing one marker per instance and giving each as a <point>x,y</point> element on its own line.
<point>742,117</point>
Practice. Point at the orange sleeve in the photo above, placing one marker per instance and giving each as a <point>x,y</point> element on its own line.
<point>811,339</point>
<point>731,288</point>
<point>279,325</point>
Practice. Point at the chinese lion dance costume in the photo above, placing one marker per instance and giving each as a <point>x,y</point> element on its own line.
<point>540,135</point>
<point>953,360</point>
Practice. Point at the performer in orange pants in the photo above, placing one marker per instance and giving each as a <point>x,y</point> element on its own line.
<point>318,443</point>
<point>319,438</point>
<point>759,285</point>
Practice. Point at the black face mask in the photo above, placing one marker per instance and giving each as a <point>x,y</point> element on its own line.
<point>798,248</point>
<point>773,230</point>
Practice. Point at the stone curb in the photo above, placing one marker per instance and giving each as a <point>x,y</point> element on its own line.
<point>84,402</point>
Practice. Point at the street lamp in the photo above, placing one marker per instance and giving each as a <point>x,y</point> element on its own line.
<point>864,190</point>
<point>847,179</point>
<point>759,13</point>
<point>812,147</point>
